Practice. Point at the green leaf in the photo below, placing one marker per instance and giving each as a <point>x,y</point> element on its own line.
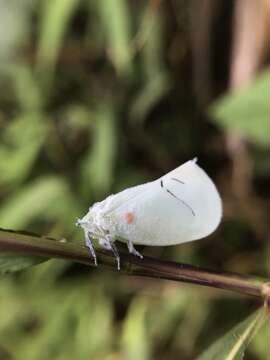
<point>26,87</point>
<point>156,82</point>
<point>135,338</point>
<point>260,345</point>
<point>101,316</point>
<point>46,198</point>
<point>55,17</point>
<point>10,262</point>
<point>97,167</point>
<point>232,346</point>
<point>21,142</point>
<point>247,111</point>
<point>151,93</point>
<point>14,28</point>
<point>115,19</point>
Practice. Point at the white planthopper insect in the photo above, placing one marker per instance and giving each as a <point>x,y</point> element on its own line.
<point>181,206</point>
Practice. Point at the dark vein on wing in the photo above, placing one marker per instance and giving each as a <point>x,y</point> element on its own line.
<point>181,182</point>
<point>182,201</point>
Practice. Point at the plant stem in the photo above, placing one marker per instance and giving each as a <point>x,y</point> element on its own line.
<point>29,244</point>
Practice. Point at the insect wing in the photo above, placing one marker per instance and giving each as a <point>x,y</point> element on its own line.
<point>181,206</point>
<point>121,199</point>
<point>199,191</point>
<point>157,218</point>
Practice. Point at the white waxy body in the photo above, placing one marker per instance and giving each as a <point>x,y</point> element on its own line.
<point>181,206</point>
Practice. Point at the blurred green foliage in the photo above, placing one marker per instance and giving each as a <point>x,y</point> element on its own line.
<point>96,95</point>
<point>233,344</point>
<point>247,111</point>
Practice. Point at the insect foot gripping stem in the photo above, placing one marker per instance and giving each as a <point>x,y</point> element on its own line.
<point>108,243</point>
<point>89,244</point>
<point>132,250</point>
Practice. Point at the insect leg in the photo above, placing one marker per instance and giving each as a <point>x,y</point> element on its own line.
<point>116,254</point>
<point>88,243</point>
<point>132,249</point>
<point>109,244</point>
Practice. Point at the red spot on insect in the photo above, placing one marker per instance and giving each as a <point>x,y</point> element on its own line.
<point>129,216</point>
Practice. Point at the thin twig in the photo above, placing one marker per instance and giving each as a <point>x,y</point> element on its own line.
<point>29,244</point>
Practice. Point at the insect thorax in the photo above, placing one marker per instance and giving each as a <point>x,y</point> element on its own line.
<point>95,222</point>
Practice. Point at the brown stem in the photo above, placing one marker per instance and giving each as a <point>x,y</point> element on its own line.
<point>131,265</point>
